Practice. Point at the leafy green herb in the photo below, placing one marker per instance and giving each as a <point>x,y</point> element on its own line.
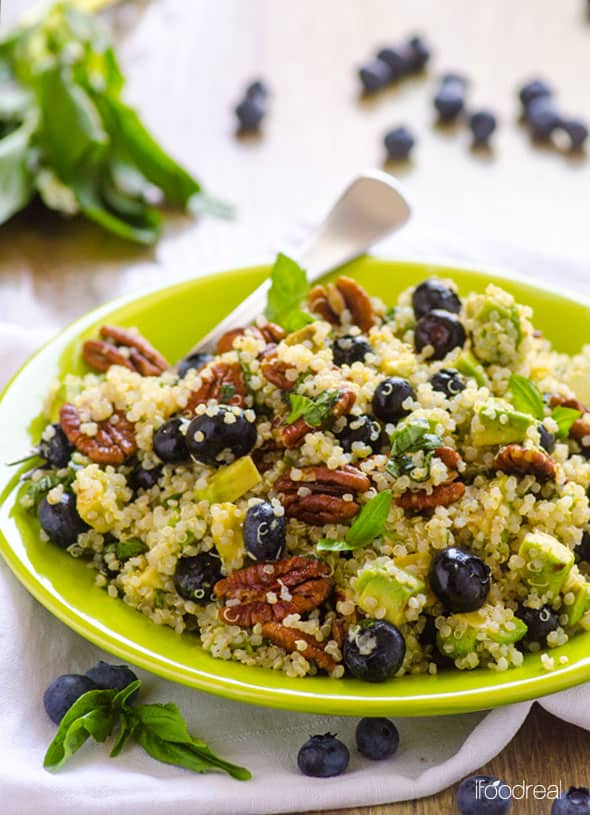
<point>564,418</point>
<point>226,392</point>
<point>159,729</point>
<point>314,412</point>
<point>526,397</point>
<point>410,438</point>
<point>368,525</point>
<point>288,288</point>
<point>35,490</point>
<point>130,548</point>
<point>66,134</point>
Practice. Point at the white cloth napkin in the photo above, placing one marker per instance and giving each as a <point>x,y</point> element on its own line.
<point>35,647</point>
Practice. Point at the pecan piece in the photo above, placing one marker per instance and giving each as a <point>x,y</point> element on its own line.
<point>141,356</point>
<point>292,435</point>
<point>323,489</point>
<point>222,381</point>
<point>449,457</point>
<point>269,332</point>
<point>519,460</point>
<point>112,444</point>
<point>267,592</point>
<point>330,301</point>
<point>557,400</point>
<point>441,496</point>
<point>580,430</point>
<point>275,370</point>
<point>293,640</point>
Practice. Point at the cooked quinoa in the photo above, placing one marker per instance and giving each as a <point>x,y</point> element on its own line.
<point>486,454</point>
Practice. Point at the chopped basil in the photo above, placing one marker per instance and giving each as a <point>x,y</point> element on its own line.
<point>369,525</point>
<point>526,397</point>
<point>564,417</point>
<point>314,412</point>
<point>412,437</point>
<point>288,288</point>
<point>130,548</point>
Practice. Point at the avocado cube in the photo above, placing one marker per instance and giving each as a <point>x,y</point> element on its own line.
<point>468,365</point>
<point>478,626</point>
<point>547,562</point>
<point>231,482</point>
<point>390,590</point>
<point>495,424</point>
<point>577,585</point>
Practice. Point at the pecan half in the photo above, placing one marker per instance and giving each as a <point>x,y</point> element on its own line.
<point>519,460</point>
<point>557,400</point>
<point>268,592</point>
<point>293,640</point>
<point>292,435</point>
<point>269,332</point>
<point>441,496</point>
<point>112,444</point>
<point>223,381</point>
<point>140,356</point>
<point>330,301</point>
<point>317,498</point>
<point>449,457</point>
<point>275,370</point>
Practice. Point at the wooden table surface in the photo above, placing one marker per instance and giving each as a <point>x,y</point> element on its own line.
<point>187,64</point>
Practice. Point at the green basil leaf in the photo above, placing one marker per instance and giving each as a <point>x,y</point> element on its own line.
<point>314,412</point>
<point>130,548</point>
<point>565,418</point>
<point>16,180</point>
<point>370,522</point>
<point>123,695</point>
<point>412,437</point>
<point>166,720</point>
<point>126,728</point>
<point>526,397</point>
<point>288,288</point>
<point>330,545</point>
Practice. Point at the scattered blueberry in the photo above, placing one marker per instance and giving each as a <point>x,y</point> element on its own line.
<point>348,349</point>
<point>547,438</point>
<point>363,429</point>
<point>375,75</point>
<point>448,381</point>
<point>56,450</point>
<point>143,479</point>
<point>396,60</point>
<point>449,99</point>
<point>250,113</point>
<point>539,622</point>
<point>63,692</point>
<point>427,637</point>
<point>577,132</point>
<point>257,89</point>
<point>194,361</point>
<point>222,437</point>
<point>483,795</point>
<point>542,118</point>
<point>434,294</point>
<point>111,677</point>
<point>534,89</point>
<point>61,522</point>
<point>576,801</point>
<point>389,396</point>
<point>264,532</point>
<point>323,756</point>
<point>440,329</point>
<point>482,124</point>
<point>195,577</point>
<point>460,579</point>
<point>398,143</point>
<point>418,54</point>
<point>373,650</point>
<point>377,738</point>
<point>582,550</point>
<point>169,442</point>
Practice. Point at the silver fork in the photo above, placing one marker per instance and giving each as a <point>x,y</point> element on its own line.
<point>371,207</point>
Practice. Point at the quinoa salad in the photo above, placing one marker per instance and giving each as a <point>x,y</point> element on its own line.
<point>346,486</point>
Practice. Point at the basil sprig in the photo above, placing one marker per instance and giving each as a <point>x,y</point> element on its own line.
<point>288,288</point>
<point>526,396</point>
<point>368,525</point>
<point>159,729</point>
<point>314,412</point>
<point>564,417</point>
<point>412,437</point>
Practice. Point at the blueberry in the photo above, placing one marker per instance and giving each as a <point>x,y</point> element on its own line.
<point>547,438</point>
<point>264,532</point>
<point>449,100</point>
<point>195,577</point>
<point>460,579</point>
<point>434,294</point>
<point>193,361</point>
<point>577,132</point>
<point>112,677</point>
<point>582,550</point>
<point>222,437</point>
<point>375,75</point>
<point>398,143</point>
<point>440,329</point>
<point>250,113</point>
<point>542,118</point>
<point>389,396</point>
<point>453,78</point>
<point>169,442</point>
<point>56,450</point>
<point>483,795</point>
<point>63,692</point>
<point>482,124</point>
<point>347,349</point>
<point>258,89</point>
<point>377,738</point>
<point>396,60</point>
<point>576,801</point>
<point>539,622</point>
<point>361,429</point>
<point>61,522</point>
<point>427,638</point>
<point>448,381</point>
<point>323,756</point>
<point>535,89</point>
<point>374,650</point>
<point>418,54</point>
<point>142,479</point>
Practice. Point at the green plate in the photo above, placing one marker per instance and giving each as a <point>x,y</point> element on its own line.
<point>174,318</point>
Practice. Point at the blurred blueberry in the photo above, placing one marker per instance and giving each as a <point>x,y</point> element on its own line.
<point>375,75</point>
<point>449,100</point>
<point>577,132</point>
<point>418,54</point>
<point>396,60</point>
<point>542,118</point>
<point>257,89</point>
<point>534,89</point>
<point>576,801</point>
<point>482,124</point>
<point>398,143</point>
<point>250,113</point>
